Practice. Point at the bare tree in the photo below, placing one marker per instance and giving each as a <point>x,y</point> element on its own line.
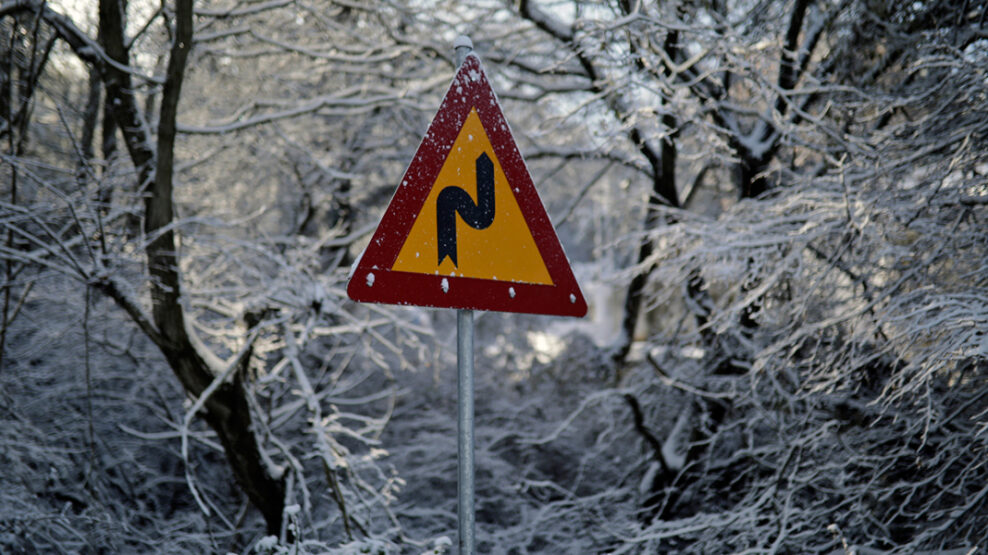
<point>826,145</point>
<point>225,407</point>
<point>117,229</point>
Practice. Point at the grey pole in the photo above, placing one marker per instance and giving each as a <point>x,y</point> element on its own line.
<point>465,485</point>
<point>464,363</point>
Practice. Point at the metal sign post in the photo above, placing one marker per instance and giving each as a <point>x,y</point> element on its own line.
<point>465,484</point>
<point>440,245</point>
<point>464,399</point>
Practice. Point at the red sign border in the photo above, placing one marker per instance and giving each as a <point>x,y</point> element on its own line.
<point>374,281</point>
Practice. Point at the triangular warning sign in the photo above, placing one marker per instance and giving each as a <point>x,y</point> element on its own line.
<point>466,228</point>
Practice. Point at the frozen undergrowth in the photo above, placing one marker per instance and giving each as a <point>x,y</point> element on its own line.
<point>809,375</point>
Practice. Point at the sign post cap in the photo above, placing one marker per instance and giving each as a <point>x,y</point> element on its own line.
<point>462,41</point>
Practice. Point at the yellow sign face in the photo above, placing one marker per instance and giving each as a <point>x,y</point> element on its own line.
<point>490,238</point>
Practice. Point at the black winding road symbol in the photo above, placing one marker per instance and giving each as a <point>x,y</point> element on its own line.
<point>453,200</point>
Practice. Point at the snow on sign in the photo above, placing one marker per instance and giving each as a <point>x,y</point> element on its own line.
<point>466,228</point>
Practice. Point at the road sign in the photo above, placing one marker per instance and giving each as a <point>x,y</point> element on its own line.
<point>466,228</point>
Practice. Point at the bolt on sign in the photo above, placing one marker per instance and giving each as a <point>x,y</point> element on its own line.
<point>466,228</point>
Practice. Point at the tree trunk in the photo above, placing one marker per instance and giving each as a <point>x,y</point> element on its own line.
<point>663,192</point>
<point>226,411</point>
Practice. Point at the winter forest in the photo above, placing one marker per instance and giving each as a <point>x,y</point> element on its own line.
<point>776,210</point>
